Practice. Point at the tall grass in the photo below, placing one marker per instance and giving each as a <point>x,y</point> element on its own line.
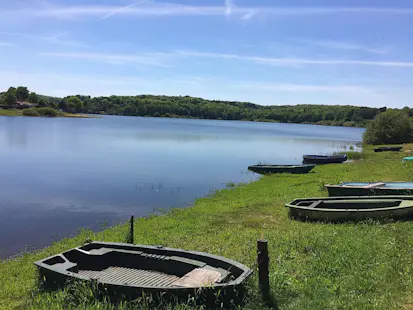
<point>363,265</point>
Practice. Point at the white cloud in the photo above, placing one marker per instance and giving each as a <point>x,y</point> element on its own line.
<point>166,59</point>
<point>228,7</point>
<point>57,38</point>
<point>342,45</point>
<point>274,87</point>
<point>249,15</point>
<point>145,8</point>
<point>120,9</point>
<point>154,59</point>
<point>298,61</point>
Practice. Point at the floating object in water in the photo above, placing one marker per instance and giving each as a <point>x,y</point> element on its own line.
<point>321,159</point>
<point>133,270</point>
<point>351,208</point>
<point>370,189</point>
<point>410,158</point>
<point>388,149</point>
<point>269,169</point>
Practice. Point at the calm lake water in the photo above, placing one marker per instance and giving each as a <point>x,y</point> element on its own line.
<point>60,175</point>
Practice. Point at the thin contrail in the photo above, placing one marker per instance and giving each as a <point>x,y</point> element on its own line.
<point>118,10</point>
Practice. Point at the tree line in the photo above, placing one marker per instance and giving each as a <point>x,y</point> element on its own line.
<point>192,107</point>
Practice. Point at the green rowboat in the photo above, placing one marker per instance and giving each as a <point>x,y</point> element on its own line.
<point>269,169</point>
<point>370,189</point>
<point>344,209</point>
<point>137,270</point>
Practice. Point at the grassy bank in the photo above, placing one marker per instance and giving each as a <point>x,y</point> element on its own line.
<point>313,266</point>
<point>19,112</point>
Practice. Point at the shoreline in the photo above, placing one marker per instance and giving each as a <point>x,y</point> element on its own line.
<point>18,112</point>
<point>307,258</point>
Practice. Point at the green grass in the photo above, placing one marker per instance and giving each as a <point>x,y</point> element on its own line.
<point>19,112</point>
<point>11,112</point>
<point>312,265</point>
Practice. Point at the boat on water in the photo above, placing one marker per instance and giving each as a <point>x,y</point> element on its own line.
<point>408,159</point>
<point>370,188</point>
<point>324,159</point>
<point>351,208</point>
<point>269,169</point>
<point>133,270</point>
<point>388,149</point>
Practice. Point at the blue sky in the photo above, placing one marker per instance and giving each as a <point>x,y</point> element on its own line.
<point>267,52</point>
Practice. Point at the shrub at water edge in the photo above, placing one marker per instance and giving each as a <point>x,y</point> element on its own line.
<point>30,112</point>
<point>46,111</point>
<point>388,128</point>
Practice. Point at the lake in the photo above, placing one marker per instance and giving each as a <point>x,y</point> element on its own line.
<point>62,174</point>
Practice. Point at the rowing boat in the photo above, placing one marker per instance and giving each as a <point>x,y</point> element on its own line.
<point>135,270</point>
<point>351,208</point>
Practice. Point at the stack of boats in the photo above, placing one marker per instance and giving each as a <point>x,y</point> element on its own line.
<point>350,201</point>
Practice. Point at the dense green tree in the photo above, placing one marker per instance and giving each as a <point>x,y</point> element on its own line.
<point>392,126</point>
<point>10,98</point>
<point>33,98</point>
<point>190,107</point>
<point>22,93</point>
<point>73,104</point>
<point>41,102</point>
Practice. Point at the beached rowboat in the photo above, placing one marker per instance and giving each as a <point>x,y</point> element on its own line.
<point>388,149</point>
<point>133,270</point>
<point>321,159</point>
<point>351,208</point>
<point>269,169</point>
<point>370,189</point>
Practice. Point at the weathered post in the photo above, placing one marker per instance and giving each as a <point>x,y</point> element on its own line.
<point>130,235</point>
<point>263,268</point>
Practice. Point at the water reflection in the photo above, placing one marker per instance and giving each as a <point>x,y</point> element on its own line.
<point>59,175</point>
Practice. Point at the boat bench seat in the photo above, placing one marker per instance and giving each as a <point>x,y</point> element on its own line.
<point>374,185</point>
<point>315,204</point>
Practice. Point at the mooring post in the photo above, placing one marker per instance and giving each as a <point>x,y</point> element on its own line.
<point>263,268</point>
<point>130,237</point>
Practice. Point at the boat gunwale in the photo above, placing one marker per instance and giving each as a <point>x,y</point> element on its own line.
<point>372,188</point>
<point>246,271</point>
<point>284,166</point>
<point>291,205</point>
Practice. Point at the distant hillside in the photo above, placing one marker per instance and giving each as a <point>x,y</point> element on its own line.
<point>191,107</point>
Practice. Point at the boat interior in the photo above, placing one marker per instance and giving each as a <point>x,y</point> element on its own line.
<point>125,265</point>
<point>353,204</point>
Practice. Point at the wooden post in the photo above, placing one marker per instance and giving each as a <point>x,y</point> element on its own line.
<point>263,268</point>
<point>130,236</point>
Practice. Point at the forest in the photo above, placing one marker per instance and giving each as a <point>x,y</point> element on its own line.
<point>192,107</point>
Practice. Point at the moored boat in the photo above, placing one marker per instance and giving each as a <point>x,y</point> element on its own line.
<point>351,208</point>
<point>370,188</point>
<point>269,169</point>
<point>388,149</point>
<point>324,159</point>
<point>134,270</point>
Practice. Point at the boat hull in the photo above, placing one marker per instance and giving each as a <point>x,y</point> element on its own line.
<point>270,169</point>
<point>388,149</point>
<point>133,271</point>
<point>307,213</point>
<point>369,190</point>
<point>318,159</point>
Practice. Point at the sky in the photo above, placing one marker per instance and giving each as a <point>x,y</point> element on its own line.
<point>269,52</point>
